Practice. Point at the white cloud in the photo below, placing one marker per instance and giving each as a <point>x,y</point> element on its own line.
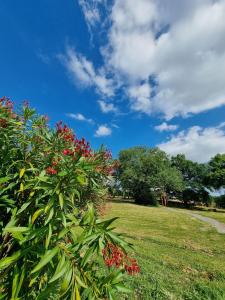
<point>79,117</point>
<point>178,43</point>
<point>166,127</point>
<point>221,125</point>
<point>83,72</point>
<point>91,11</point>
<point>103,130</point>
<point>198,144</point>
<point>140,98</point>
<point>187,59</point>
<point>107,107</point>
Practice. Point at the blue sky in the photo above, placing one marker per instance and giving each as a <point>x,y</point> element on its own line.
<point>123,72</point>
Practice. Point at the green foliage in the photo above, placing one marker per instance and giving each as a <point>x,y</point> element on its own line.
<point>216,176</point>
<point>194,176</point>
<point>51,240</point>
<point>144,172</point>
<point>191,196</point>
<point>220,201</point>
<point>193,173</point>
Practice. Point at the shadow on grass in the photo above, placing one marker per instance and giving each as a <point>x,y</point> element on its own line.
<point>175,204</point>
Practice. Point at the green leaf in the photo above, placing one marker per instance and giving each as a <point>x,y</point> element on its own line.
<point>66,282</point>
<point>48,237</point>
<point>4,179</point>
<point>63,232</point>
<point>21,187</point>
<point>116,239</point>
<point>60,270</point>
<point>17,282</point>
<point>51,213</point>
<point>45,259</point>
<point>62,173</point>
<point>61,200</point>
<point>16,229</point>
<point>122,288</point>
<point>7,261</point>
<point>36,215</point>
<point>82,179</point>
<point>117,276</point>
<point>111,295</point>
<point>23,207</point>
<point>77,293</point>
<point>106,223</point>
<point>87,255</point>
<point>22,171</point>
<point>80,282</point>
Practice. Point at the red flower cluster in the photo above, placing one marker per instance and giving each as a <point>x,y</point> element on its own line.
<point>114,255</point>
<point>107,155</point>
<point>80,146</point>
<point>7,107</point>
<point>51,171</point>
<point>131,266</point>
<point>65,132</point>
<point>83,148</point>
<point>3,123</point>
<point>6,102</point>
<point>67,152</point>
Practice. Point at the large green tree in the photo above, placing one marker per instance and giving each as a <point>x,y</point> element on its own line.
<point>144,172</point>
<point>216,174</point>
<point>194,177</point>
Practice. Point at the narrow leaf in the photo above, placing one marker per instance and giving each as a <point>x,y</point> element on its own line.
<point>36,214</point>
<point>61,201</point>
<point>7,261</point>
<point>22,171</point>
<point>45,259</point>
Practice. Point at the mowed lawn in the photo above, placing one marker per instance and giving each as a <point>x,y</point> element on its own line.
<point>180,257</point>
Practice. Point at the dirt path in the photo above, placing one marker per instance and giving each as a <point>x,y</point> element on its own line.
<point>220,227</point>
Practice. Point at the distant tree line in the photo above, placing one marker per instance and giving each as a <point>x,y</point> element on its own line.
<point>149,176</point>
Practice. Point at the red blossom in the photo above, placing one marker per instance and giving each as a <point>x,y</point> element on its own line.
<point>114,255</point>
<point>67,152</point>
<point>51,171</point>
<point>81,147</point>
<point>3,123</point>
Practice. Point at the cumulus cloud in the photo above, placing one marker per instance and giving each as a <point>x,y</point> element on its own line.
<point>178,43</point>
<point>107,107</point>
<point>83,72</point>
<point>79,117</point>
<point>140,98</point>
<point>166,127</point>
<point>197,143</point>
<point>188,59</point>
<point>103,130</point>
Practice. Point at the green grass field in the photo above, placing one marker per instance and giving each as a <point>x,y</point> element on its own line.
<point>180,257</point>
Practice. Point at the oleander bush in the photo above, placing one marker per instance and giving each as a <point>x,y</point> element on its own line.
<point>52,243</point>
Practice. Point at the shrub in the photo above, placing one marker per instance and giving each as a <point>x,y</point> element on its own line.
<point>51,240</point>
<point>196,196</point>
<point>146,197</point>
<point>220,201</point>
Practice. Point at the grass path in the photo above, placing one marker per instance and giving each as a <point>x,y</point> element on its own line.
<point>219,216</point>
<point>180,257</point>
<point>220,227</point>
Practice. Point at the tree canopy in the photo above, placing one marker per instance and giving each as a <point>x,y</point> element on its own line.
<point>216,175</point>
<point>144,171</point>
